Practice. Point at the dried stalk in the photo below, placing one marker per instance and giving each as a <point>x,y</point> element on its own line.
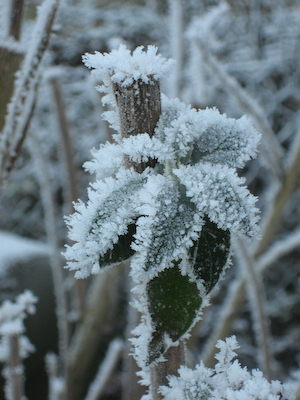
<point>11,60</point>
<point>16,17</point>
<point>101,304</point>
<point>71,192</point>
<point>71,181</point>
<point>258,308</point>
<point>130,387</point>
<point>22,105</point>
<point>55,259</point>
<point>288,185</point>
<point>16,378</point>
<point>105,370</point>
<point>176,39</point>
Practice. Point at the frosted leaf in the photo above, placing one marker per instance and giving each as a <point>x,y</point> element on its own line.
<point>174,302</point>
<point>206,135</point>
<point>169,223</point>
<point>217,191</point>
<point>97,226</point>
<point>210,254</point>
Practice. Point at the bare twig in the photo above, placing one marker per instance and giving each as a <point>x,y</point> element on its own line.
<point>105,370</point>
<point>101,304</point>
<point>71,181</point>
<point>15,369</point>
<point>21,108</point>
<point>176,41</point>
<point>71,192</point>
<point>288,185</point>
<point>258,309</point>
<point>16,17</point>
<point>55,259</point>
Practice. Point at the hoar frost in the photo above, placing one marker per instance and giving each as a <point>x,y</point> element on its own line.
<point>227,381</point>
<point>175,220</point>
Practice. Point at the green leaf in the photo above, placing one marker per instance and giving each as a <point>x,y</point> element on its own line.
<point>210,254</point>
<point>121,250</point>
<point>174,217</point>
<point>174,303</point>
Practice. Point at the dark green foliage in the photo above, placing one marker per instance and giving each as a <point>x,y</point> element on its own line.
<point>121,251</point>
<point>173,219</point>
<point>210,254</point>
<point>174,302</point>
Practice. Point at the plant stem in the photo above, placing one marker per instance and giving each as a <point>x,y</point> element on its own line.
<point>16,16</point>
<point>15,369</point>
<point>139,107</point>
<point>175,357</point>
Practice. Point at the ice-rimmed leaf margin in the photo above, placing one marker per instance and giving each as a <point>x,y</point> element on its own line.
<point>220,193</point>
<point>105,225</point>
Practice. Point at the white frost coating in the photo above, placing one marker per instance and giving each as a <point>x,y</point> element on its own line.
<point>206,135</point>
<point>97,226</point>
<point>217,192</point>
<point>122,67</point>
<point>156,217</point>
<point>12,317</point>
<point>227,381</point>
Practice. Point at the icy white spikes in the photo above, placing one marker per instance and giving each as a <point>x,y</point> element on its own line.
<point>228,380</point>
<point>122,67</point>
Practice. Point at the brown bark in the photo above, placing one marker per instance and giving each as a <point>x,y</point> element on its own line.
<point>10,63</point>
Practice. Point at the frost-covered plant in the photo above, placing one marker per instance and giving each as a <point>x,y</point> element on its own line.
<point>176,219</point>
<point>227,381</point>
<point>14,345</point>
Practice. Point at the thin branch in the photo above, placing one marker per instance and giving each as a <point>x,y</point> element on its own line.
<point>71,192</point>
<point>15,369</point>
<point>105,370</point>
<point>21,107</point>
<point>176,41</point>
<point>55,259</point>
<point>258,308</point>
<point>227,314</point>
<point>71,181</point>
<point>279,249</point>
<point>16,18</point>
<point>288,185</point>
<point>89,334</point>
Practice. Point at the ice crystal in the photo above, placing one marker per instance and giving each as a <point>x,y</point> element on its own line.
<point>227,381</point>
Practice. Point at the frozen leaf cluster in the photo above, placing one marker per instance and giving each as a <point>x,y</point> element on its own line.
<point>227,381</point>
<point>160,213</point>
<point>175,220</point>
